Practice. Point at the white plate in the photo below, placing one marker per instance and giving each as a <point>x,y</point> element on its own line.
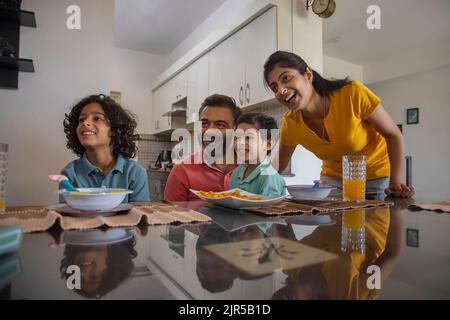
<point>95,237</point>
<point>64,208</point>
<point>238,203</point>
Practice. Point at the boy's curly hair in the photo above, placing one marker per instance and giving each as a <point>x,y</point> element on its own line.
<point>122,122</point>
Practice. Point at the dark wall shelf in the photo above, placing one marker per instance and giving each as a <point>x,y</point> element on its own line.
<point>24,65</point>
<point>24,18</point>
<point>10,22</point>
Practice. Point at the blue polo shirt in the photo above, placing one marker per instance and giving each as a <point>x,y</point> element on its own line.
<point>264,180</point>
<point>126,174</point>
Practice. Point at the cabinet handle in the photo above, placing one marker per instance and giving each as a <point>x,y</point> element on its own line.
<point>247,92</point>
<point>241,92</point>
<point>168,120</point>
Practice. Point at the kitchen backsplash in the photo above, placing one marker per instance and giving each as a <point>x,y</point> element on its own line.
<point>150,146</point>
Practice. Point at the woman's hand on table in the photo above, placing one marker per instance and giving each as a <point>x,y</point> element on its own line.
<point>398,189</point>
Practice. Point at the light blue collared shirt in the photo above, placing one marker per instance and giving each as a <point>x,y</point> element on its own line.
<point>126,174</point>
<point>264,180</point>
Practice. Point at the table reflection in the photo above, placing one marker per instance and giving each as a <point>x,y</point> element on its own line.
<point>105,259</point>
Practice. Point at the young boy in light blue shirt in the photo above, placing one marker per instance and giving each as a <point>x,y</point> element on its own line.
<point>254,141</point>
<point>102,134</point>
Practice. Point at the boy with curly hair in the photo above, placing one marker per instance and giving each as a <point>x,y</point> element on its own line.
<point>102,134</point>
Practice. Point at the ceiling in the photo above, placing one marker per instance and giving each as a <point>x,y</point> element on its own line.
<point>406,25</point>
<point>158,26</point>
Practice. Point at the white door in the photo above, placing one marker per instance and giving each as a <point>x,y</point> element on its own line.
<point>260,43</point>
<point>227,68</point>
<point>198,87</point>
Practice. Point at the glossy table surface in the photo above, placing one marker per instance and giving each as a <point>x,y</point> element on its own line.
<point>396,254</point>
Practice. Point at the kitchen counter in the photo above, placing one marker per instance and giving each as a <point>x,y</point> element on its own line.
<point>157,183</point>
<point>232,258</point>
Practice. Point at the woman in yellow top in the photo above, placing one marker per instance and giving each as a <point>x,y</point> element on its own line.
<point>333,118</point>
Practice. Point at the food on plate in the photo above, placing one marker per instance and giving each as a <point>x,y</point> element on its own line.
<point>235,193</point>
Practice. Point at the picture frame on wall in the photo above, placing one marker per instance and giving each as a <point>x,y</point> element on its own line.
<point>412,238</point>
<point>412,115</point>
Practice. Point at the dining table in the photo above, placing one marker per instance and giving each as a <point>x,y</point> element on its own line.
<point>388,252</point>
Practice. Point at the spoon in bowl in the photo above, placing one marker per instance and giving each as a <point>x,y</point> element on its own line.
<point>63,181</point>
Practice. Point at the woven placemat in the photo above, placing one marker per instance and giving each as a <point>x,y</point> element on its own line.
<point>39,218</point>
<point>311,207</point>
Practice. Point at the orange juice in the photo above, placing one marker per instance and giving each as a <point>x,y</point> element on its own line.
<point>354,190</point>
<point>353,219</point>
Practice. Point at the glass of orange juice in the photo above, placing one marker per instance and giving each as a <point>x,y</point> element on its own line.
<point>354,178</point>
<point>353,237</point>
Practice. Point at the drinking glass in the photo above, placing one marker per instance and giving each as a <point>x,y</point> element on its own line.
<point>354,178</point>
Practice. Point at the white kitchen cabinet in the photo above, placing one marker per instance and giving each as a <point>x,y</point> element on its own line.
<point>236,65</point>
<point>261,42</point>
<point>227,68</point>
<point>173,91</point>
<point>197,88</point>
<point>177,88</point>
<point>161,104</point>
<point>156,107</point>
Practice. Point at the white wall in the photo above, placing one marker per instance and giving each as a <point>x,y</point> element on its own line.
<point>305,166</point>
<point>427,142</point>
<point>132,73</point>
<point>424,57</point>
<point>70,64</point>
<point>339,69</point>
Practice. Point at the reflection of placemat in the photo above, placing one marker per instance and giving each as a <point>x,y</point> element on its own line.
<point>263,256</point>
<point>41,219</point>
<point>438,206</point>
<point>290,207</point>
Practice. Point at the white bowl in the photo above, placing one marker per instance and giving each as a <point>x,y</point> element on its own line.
<point>93,199</point>
<point>307,192</point>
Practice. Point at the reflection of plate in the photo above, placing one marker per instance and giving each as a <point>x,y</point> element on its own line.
<point>307,220</point>
<point>95,237</point>
<point>238,203</point>
<point>323,202</point>
<point>64,208</point>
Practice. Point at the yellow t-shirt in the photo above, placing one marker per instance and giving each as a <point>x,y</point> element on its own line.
<point>348,131</point>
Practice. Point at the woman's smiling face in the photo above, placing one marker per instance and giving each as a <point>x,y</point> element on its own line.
<point>291,88</point>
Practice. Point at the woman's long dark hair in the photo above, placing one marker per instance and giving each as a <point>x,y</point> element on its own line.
<point>323,87</point>
<point>123,125</point>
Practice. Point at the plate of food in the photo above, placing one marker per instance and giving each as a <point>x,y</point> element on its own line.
<point>237,198</point>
